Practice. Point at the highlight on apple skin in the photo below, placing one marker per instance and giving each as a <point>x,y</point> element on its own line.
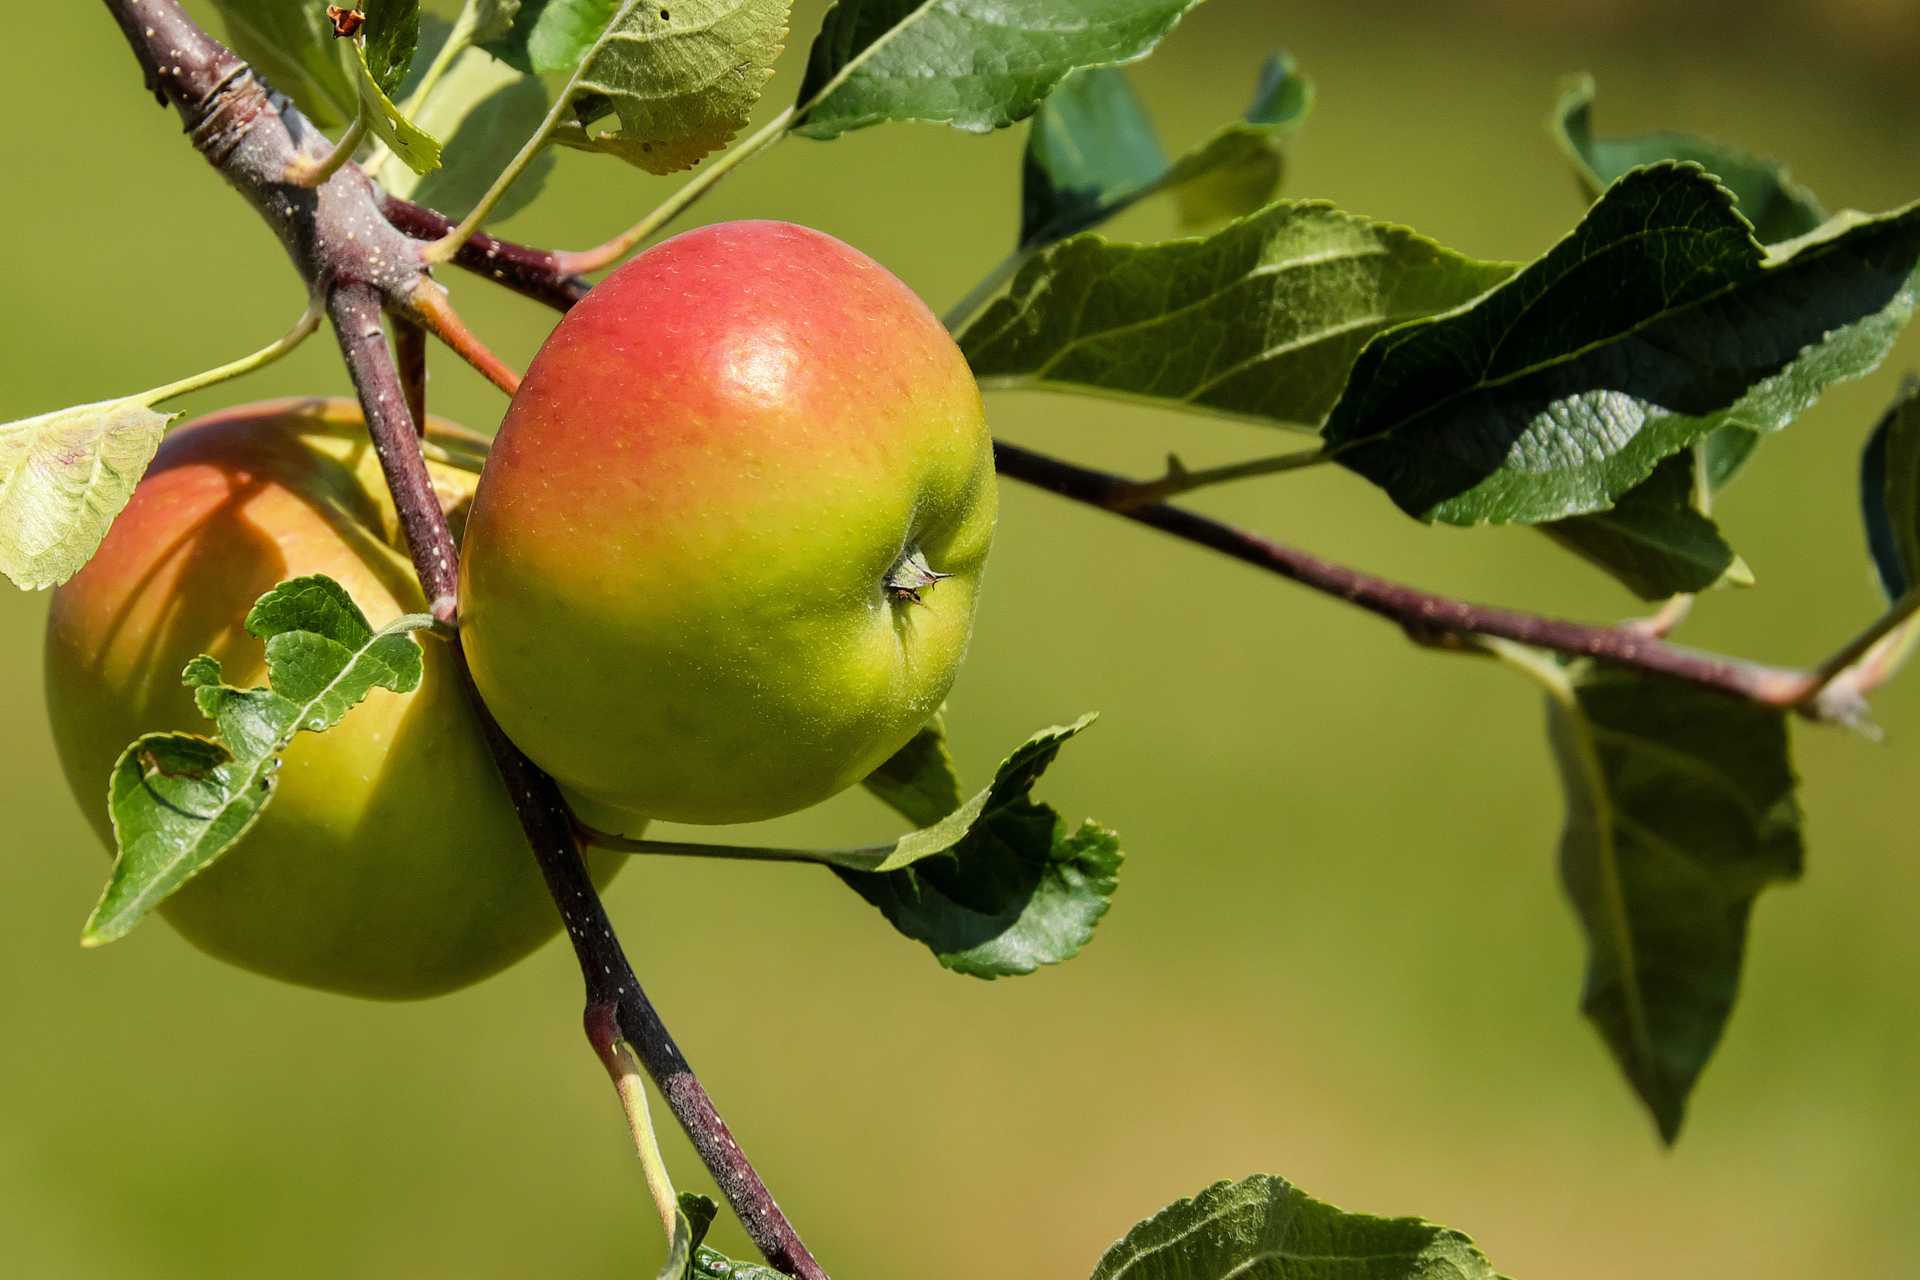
<point>390,863</point>
<point>723,558</point>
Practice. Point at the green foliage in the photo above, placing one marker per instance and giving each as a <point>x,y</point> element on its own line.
<point>294,47</point>
<point>1239,168</point>
<point>1261,320</point>
<point>485,110</point>
<point>1264,1228</point>
<point>968,63</point>
<point>1680,810</point>
<point>1778,207</point>
<point>64,476</point>
<point>1890,493</point>
<point>997,886</point>
<point>390,36</point>
<point>1656,540</point>
<point>1657,321</point>
<point>920,780</point>
<point>179,802</point>
<point>1091,152</point>
<point>677,79</point>
<point>417,148</point>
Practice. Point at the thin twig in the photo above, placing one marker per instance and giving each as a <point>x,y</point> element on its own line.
<point>305,172</point>
<point>584,261</point>
<point>410,357</point>
<point>1427,617</point>
<point>429,305</point>
<point>543,813</point>
<point>531,273</point>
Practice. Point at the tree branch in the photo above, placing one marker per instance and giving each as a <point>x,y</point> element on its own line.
<point>532,273</point>
<point>344,246</point>
<point>1427,618</point>
<point>410,359</point>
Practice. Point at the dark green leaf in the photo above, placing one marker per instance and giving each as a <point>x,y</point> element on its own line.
<point>696,1216</point>
<point>1778,207</point>
<point>391,35</point>
<point>1000,886</point>
<point>973,64</point>
<point>689,1229</point>
<point>1090,151</point>
<point>919,780</point>
<point>1264,1228</point>
<point>1261,320</point>
<point>1890,493</point>
<point>1657,321</point>
<point>1680,810</point>
<point>1656,540</point>
<point>293,46</point>
<point>709,1263</point>
<point>179,802</point>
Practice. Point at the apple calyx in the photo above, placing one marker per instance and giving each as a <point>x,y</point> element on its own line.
<point>911,575</point>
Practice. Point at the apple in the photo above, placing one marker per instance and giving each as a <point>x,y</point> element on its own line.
<point>723,558</point>
<point>390,863</point>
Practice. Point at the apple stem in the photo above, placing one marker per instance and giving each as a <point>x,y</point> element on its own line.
<point>429,306</point>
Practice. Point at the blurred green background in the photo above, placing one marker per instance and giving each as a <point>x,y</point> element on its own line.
<point>1339,951</point>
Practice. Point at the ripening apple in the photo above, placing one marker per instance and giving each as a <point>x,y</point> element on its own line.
<point>723,557</point>
<point>389,863</point>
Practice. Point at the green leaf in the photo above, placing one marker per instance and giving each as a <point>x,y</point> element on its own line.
<point>677,80</point>
<point>293,46</point>
<point>697,1261</point>
<point>1656,540</point>
<point>920,780</point>
<point>1265,1228</point>
<point>391,35</point>
<point>1261,320</point>
<point>690,1223</point>
<point>973,64</point>
<point>710,1263</point>
<point>418,149</point>
<point>1680,810</point>
<point>1890,493</point>
<point>1239,169</point>
<point>64,476</point>
<point>1778,207</point>
<point>1091,151</point>
<point>485,110</point>
<point>1011,888</point>
<point>1657,321</point>
<point>179,802</point>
